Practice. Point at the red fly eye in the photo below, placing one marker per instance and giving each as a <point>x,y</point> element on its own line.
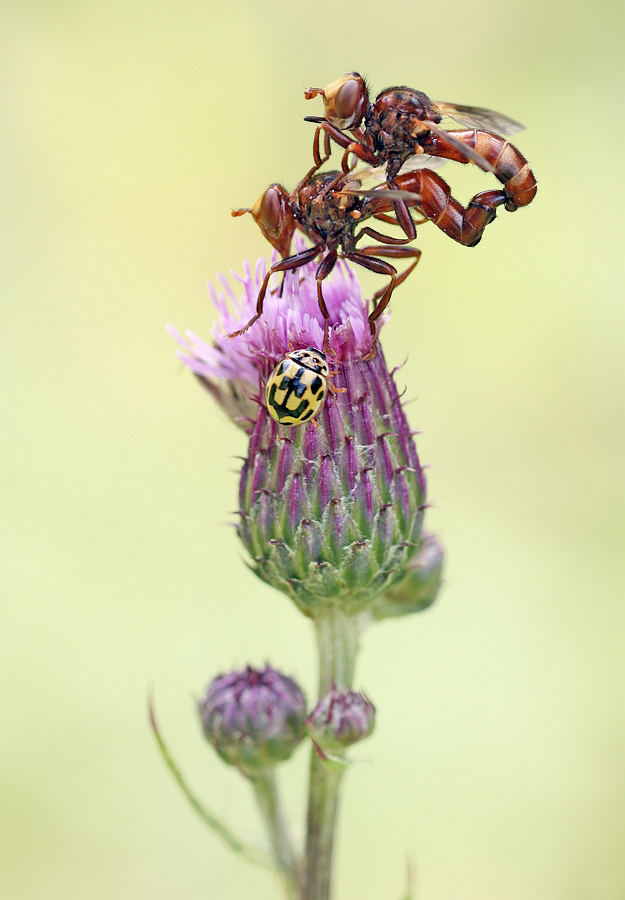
<point>271,209</point>
<point>347,99</point>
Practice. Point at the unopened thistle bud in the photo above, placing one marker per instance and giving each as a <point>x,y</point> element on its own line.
<point>330,511</point>
<point>340,719</point>
<point>420,585</point>
<point>253,718</point>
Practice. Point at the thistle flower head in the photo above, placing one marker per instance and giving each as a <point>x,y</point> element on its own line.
<point>340,719</point>
<point>253,718</point>
<point>330,511</point>
<point>229,368</point>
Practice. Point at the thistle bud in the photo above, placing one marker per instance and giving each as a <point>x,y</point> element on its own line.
<point>253,718</point>
<point>340,719</point>
<point>420,585</point>
<point>330,511</point>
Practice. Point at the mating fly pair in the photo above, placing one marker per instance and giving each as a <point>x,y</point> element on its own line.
<point>399,130</point>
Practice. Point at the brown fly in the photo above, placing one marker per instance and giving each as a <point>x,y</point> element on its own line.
<point>402,122</point>
<point>325,207</point>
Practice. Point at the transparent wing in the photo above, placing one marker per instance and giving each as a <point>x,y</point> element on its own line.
<point>371,182</point>
<point>380,192</point>
<point>477,117</point>
<point>422,161</point>
<point>370,176</point>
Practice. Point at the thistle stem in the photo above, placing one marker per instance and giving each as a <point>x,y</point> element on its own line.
<point>337,638</point>
<point>268,800</point>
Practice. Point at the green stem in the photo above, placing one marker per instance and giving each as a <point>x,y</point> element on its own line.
<point>268,799</point>
<point>337,637</point>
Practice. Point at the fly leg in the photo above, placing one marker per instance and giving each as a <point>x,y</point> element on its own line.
<point>368,260</point>
<point>290,263</point>
<point>323,270</point>
<point>393,253</point>
<point>326,147</point>
<point>391,220</point>
<point>344,141</point>
<point>382,268</point>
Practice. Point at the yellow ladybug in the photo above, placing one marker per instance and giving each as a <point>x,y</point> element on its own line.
<point>297,387</point>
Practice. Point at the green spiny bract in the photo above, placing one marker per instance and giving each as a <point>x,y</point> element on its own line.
<point>332,515</point>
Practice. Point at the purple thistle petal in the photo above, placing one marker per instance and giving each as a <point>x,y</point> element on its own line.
<point>231,366</point>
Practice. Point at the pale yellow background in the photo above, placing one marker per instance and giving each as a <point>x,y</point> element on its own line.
<point>129,131</point>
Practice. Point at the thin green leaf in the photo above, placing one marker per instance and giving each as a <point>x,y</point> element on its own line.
<point>251,854</point>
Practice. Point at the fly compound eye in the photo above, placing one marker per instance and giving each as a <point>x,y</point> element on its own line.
<point>271,214</point>
<point>271,209</point>
<point>347,99</point>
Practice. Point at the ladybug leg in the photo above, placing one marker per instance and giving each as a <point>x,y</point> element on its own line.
<point>334,389</point>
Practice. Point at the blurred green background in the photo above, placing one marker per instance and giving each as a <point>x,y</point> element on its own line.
<point>130,129</point>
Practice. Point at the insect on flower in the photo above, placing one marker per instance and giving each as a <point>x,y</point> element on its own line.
<point>326,208</point>
<point>297,387</point>
<point>402,122</point>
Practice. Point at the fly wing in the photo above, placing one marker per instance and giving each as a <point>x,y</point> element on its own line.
<point>383,193</point>
<point>422,161</point>
<point>478,117</point>
<point>371,182</point>
<point>371,176</point>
